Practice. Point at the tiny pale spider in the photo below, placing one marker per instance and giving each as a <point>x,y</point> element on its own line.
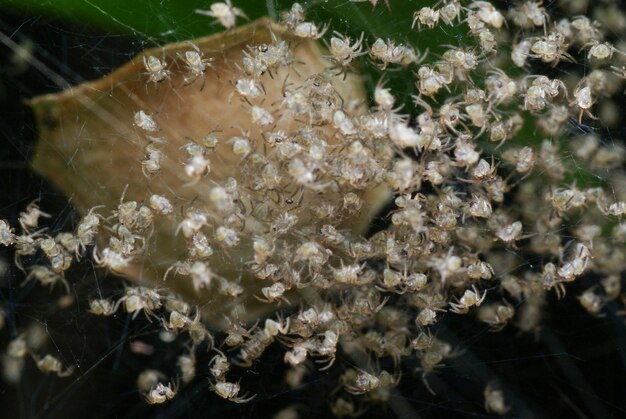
<point>469,299</point>
<point>224,13</point>
<point>49,364</point>
<point>219,365</point>
<point>230,391</point>
<point>111,260</point>
<point>196,65</point>
<point>309,30</point>
<point>29,219</point>
<point>343,51</point>
<point>362,382</point>
<point>156,69</point>
<point>583,100</point>
<point>600,51</point>
<point>274,294</point>
<point>161,393</point>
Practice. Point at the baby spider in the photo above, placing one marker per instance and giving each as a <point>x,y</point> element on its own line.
<point>342,52</point>
<point>111,260</point>
<point>583,100</point>
<point>497,316</point>
<point>199,333</point>
<point>327,348</point>
<point>520,52</point>
<point>136,299</point>
<point>196,65</point>
<point>25,245</point>
<point>192,223</point>
<point>349,274</point>
<point>577,263</point>
<point>430,81</point>
<point>161,393</point>
<point>145,121</point>
<point>345,408</point>
<point>600,50</point>
<point>430,360</point>
<point>49,364</point>
<point>470,298</point>
<point>30,218</point>
<point>229,391</point>
<point>101,307</point>
<point>447,265</point>
<point>195,168</point>
<point>274,293</point>
<point>7,235</point>
<point>530,14</point>
<point>236,332</point>
<point>309,30</point>
<point>362,382</point>
<point>156,70</point>
<point>201,275</point>
<point>298,354</point>
<point>249,88</point>
<point>148,379</point>
<point>59,259</point>
<point>219,366</point>
<point>592,302</point>
<point>293,17</point>
<point>18,347</point>
<point>161,205</point>
<point>176,322</point>
<point>387,52</point>
<point>509,233</point>
<point>494,400</point>
<point>224,13</point>
<point>45,276</point>
<point>426,16</point>
<point>551,49</point>
<point>541,91</point>
<point>87,229</point>
<point>187,365</point>
<point>488,13</point>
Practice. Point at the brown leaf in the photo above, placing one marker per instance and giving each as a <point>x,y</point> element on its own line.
<point>90,149</point>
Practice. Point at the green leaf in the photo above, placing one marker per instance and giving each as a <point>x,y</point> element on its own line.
<point>169,20</point>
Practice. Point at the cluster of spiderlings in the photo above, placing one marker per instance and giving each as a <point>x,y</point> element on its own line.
<point>469,195</point>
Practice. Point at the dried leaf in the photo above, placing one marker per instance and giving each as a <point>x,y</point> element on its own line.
<point>90,148</point>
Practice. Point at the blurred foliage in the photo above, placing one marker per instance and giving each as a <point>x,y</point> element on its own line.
<point>166,21</point>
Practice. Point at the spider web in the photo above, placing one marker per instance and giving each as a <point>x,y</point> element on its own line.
<point>574,364</point>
